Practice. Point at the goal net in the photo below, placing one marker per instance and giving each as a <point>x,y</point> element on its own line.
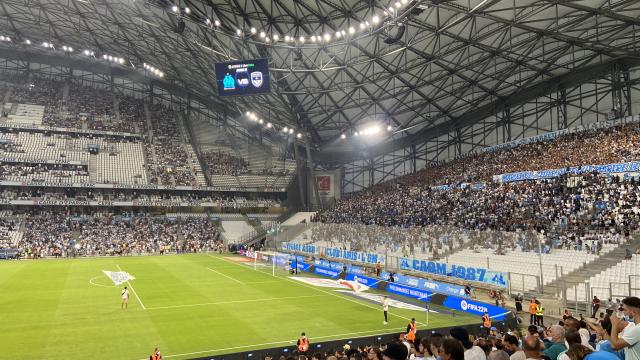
<point>271,261</point>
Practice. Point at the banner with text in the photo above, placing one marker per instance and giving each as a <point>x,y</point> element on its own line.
<point>367,258</point>
<point>467,273</point>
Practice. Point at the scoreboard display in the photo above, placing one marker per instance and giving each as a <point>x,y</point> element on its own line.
<point>244,77</point>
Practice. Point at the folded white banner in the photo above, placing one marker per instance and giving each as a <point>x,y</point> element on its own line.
<point>118,277</point>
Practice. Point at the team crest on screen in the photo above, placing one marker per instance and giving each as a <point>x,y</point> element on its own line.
<point>256,78</point>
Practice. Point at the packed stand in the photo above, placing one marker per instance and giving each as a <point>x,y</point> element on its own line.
<point>581,215</point>
<point>220,163</point>
<point>107,234</point>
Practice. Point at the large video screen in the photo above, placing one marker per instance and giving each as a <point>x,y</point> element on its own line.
<point>245,77</point>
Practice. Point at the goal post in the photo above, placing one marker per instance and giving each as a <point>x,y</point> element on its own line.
<point>270,260</point>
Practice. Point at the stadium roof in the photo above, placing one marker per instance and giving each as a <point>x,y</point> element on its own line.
<point>453,58</point>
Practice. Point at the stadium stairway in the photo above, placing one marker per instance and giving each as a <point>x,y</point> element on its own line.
<point>93,168</point>
<point>298,217</point>
<point>586,271</point>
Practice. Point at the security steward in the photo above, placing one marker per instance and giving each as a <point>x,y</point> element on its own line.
<point>303,344</point>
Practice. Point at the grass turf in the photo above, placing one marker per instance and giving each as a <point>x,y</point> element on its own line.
<point>194,305</point>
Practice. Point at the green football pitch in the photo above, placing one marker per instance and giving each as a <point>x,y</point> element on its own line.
<point>188,305</point>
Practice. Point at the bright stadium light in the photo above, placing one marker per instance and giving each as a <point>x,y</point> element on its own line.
<point>104,57</point>
<point>239,32</point>
<point>299,136</point>
<point>404,2</point>
<point>208,21</point>
<point>287,38</point>
<point>313,38</point>
<point>301,39</point>
<point>276,37</point>
<point>389,128</point>
<point>338,34</point>
<point>247,113</point>
<point>260,121</point>
<point>352,30</point>
<point>45,44</point>
<point>269,125</point>
<point>121,61</point>
<point>343,136</point>
<point>267,40</point>
<point>285,129</point>
<point>216,23</point>
<point>253,30</point>
<point>174,8</point>
<point>375,19</point>
<point>187,10</point>
<point>263,34</point>
<point>398,5</point>
<point>28,42</point>
<point>327,37</point>
<point>362,26</point>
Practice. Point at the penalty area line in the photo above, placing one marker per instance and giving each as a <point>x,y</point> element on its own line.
<point>134,290</point>
<point>227,276</point>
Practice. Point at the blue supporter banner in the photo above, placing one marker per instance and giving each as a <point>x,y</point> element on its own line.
<point>475,307</point>
<point>409,291</point>
<point>426,284</point>
<point>305,248</point>
<point>339,266</point>
<point>616,168</point>
<point>367,258</point>
<point>462,272</point>
<point>326,271</point>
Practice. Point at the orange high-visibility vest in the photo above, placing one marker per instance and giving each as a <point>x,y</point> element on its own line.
<point>486,321</point>
<point>412,332</point>
<point>304,344</point>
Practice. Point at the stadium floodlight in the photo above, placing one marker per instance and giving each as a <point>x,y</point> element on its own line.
<point>187,10</point>
<point>286,129</point>
<point>389,127</point>
<point>352,30</point>
<point>398,5</point>
<point>362,26</point>
<point>268,39</point>
<point>327,37</point>
<point>299,136</point>
<point>356,134</point>
<point>343,33</point>
<point>70,49</point>
<point>253,30</point>
<point>385,13</point>
<point>276,37</point>
<point>104,56</point>
<point>287,38</point>
<point>45,44</point>
<point>216,23</point>
<point>263,34</point>
<point>291,131</point>
<point>301,39</point>
<point>28,42</point>
<point>207,21</point>
<point>8,38</point>
<point>313,38</point>
<point>343,136</point>
<point>404,2</point>
<point>375,19</point>
<point>121,61</point>
<point>269,125</point>
<point>247,113</point>
<point>174,8</point>
<point>2,37</point>
<point>260,121</point>
<point>391,9</point>
<point>338,34</point>
<point>239,32</point>
<point>87,52</point>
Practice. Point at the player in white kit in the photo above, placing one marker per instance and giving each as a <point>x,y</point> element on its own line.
<point>125,298</point>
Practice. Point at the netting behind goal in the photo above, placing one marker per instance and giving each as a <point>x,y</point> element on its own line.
<point>272,261</point>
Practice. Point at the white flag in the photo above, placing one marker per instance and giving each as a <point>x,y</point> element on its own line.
<point>118,277</point>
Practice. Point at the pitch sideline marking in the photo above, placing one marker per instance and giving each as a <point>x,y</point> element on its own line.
<point>333,294</point>
<point>134,290</point>
<point>230,302</point>
<point>227,276</point>
<point>286,342</point>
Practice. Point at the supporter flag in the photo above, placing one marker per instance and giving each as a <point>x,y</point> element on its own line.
<point>353,285</point>
<point>118,277</point>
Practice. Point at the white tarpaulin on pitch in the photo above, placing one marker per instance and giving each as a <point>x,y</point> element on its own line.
<point>118,277</point>
<point>339,284</point>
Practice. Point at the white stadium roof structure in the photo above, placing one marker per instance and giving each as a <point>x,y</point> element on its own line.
<point>451,76</point>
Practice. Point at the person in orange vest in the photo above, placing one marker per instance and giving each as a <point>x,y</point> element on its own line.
<point>533,307</point>
<point>155,355</point>
<point>303,344</point>
<point>486,322</point>
<point>411,330</point>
